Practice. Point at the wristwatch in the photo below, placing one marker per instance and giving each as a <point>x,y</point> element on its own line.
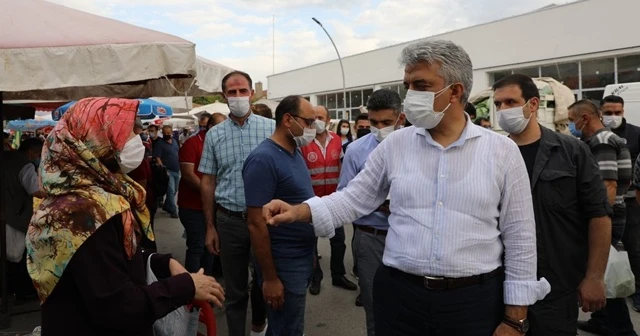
<point>519,325</point>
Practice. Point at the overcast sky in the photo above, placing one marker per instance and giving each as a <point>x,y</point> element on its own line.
<point>238,33</point>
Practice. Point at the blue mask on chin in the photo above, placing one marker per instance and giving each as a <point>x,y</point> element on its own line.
<point>575,132</point>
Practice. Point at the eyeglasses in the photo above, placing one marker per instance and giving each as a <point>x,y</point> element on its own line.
<point>308,122</point>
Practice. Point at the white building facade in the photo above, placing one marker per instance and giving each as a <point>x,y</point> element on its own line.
<point>586,45</point>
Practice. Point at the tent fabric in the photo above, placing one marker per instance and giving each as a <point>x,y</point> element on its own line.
<point>68,54</point>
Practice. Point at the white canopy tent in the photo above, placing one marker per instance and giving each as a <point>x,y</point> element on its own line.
<point>68,54</point>
<point>216,107</point>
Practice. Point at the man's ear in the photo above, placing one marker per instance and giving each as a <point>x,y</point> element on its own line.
<point>457,90</point>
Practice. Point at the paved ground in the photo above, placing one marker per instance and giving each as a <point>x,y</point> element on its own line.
<point>331,313</point>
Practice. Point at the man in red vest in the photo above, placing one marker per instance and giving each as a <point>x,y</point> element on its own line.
<point>323,160</point>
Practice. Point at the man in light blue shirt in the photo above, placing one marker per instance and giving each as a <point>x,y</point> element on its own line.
<point>384,107</point>
<point>226,147</point>
<point>460,253</point>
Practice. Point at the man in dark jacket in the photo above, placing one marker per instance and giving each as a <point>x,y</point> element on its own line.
<point>612,109</point>
<point>19,186</point>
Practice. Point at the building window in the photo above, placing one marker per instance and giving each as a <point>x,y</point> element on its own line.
<point>593,95</point>
<point>532,72</point>
<point>598,73</point>
<point>498,75</point>
<point>629,69</point>
<point>565,73</point>
<point>335,103</point>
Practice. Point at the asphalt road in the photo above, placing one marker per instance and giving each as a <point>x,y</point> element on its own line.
<point>331,313</point>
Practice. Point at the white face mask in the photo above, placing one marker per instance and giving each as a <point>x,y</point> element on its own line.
<point>383,133</point>
<point>239,106</point>
<point>512,120</point>
<point>344,130</point>
<point>418,107</point>
<point>131,155</point>
<point>612,121</point>
<point>321,126</point>
<point>307,136</point>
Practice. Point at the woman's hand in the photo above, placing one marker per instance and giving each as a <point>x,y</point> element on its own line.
<point>207,288</point>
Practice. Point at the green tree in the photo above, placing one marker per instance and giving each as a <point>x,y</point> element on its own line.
<point>206,100</point>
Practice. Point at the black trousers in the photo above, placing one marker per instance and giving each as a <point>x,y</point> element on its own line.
<point>338,249</point>
<point>554,317</point>
<point>403,308</point>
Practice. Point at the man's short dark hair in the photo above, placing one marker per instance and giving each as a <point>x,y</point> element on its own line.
<point>204,115</point>
<point>290,105</point>
<point>362,116</point>
<point>470,109</point>
<point>384,99</point>
<point>524,82</point>
<point>234,73</point>
<point>585,105</point>
<point>612,99</point>
<point>31,144</point>
<point>479,121</point>
<point>262,110</point>
<point>152,127</point>
<point>167,127</point>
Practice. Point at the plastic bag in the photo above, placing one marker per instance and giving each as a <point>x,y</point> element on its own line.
<point>180,322</point>
<point>618,277</point>
<point>15,244</point>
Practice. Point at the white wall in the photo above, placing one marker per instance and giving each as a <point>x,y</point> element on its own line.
<point>580,28</point>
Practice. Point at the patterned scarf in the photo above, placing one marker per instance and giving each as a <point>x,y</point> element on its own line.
<point>82,193</point>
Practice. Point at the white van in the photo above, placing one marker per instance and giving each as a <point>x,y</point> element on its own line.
<point>630,92</point>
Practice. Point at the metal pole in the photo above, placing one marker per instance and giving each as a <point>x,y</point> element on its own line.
<point>273,45</point>
<point>344,83</point>
<point>5,314</point>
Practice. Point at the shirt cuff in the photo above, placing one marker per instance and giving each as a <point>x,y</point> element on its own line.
<point>525,293</point>
<point>321,218</point>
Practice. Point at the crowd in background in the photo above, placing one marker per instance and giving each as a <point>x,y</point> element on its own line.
<point>515,248</point>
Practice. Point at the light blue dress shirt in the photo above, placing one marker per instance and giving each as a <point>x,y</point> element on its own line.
<point>454,210</point>
<point>226,147</point>
<point>354,160</point>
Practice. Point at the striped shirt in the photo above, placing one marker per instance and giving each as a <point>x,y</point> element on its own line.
<point>445,221</point>
<point>636,174</point>
<point>614,160</point>
<point>226,147</point>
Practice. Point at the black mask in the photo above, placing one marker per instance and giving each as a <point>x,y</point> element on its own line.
<point>166,137</point>
<point>362,132</point>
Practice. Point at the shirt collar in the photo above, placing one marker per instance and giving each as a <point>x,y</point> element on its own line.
<point>470,131</point>
<point>248,121</point>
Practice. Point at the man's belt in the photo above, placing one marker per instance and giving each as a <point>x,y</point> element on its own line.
<point>235,214</point>
<point>368,229</point>
<point>443,284</point>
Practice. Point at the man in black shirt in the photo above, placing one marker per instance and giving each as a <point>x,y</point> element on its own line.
<point>612,109</point>
<point>571,210</point>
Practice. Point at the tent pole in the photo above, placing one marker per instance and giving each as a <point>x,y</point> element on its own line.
<point>5,314</point>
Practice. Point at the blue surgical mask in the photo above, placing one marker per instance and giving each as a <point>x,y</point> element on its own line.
<point>144,137</point>
<point>575,132</point>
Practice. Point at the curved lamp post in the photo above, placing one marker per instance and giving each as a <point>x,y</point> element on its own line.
<point>344,85</point>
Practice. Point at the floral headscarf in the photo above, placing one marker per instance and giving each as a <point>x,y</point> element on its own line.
<point>82,194</point>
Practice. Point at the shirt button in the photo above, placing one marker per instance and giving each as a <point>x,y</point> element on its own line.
<point>440,204</point>
<point>442,176</point>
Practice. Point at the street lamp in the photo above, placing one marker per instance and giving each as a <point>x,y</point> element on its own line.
<point>344,85</point>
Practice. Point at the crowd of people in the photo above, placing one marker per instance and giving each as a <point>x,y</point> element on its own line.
<point>514,248</point>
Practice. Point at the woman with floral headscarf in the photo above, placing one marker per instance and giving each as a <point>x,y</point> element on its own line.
<point>83,241</point>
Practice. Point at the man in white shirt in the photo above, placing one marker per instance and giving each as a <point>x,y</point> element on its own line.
<point>460,253</point>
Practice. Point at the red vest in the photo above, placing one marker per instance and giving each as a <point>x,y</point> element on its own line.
<point>324,170</point>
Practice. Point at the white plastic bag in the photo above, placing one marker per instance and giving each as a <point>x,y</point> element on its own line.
<point>180,322</point>
<point>618,277</point>
<point>15,244</point>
